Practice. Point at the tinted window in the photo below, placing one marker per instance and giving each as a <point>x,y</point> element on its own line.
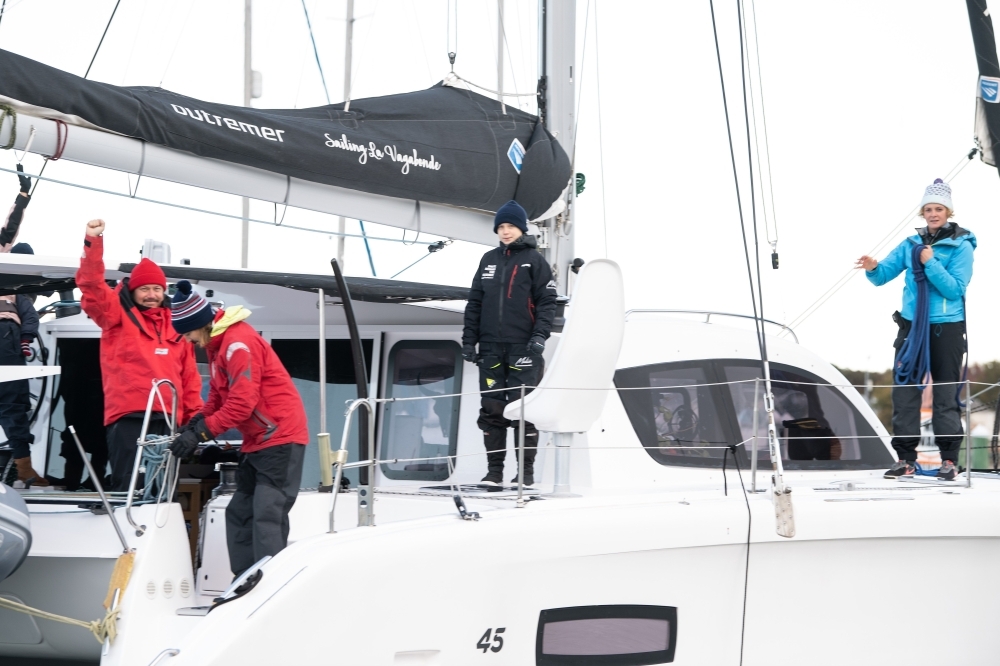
<point>622,635</point>
<point>818,428</point>
<point>421,428</point>
<point>674,414</point>
<point>301,358</point>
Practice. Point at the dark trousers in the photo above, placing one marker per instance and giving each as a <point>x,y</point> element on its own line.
<point>15,403</point>
<point>506,366</point>
<point>122,437</point>
<point>267,483</point>
<point>947,351</point>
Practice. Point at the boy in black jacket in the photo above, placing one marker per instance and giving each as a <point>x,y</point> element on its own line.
<point>511,306</point>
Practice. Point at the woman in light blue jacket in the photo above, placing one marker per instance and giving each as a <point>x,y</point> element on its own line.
<point>947,263</point>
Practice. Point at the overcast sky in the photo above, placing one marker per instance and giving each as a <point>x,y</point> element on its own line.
<point>866,103</point>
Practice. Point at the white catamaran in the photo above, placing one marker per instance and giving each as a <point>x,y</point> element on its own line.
<point>696,503</point>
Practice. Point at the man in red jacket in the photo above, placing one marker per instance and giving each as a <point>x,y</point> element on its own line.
<point>249,390</point>
<point>138,345</point>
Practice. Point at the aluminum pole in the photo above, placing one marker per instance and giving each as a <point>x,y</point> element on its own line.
<point>968,434</point>
<point>348,56</point>
<point>500,51</point>
<point>247,93</point>
<point>100,489</point>
<point>520,441</point>
<point>753,457</point>
<point>322,360</point>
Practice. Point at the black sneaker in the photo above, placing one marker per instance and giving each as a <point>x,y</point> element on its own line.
<point>493,479</point>
<point>529,479</point>
<point>948,471</point>
<point>902,469</point>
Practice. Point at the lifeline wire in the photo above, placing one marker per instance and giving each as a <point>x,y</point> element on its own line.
<point>212,212</point>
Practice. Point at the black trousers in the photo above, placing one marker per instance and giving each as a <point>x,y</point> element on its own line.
<point>122,437</point>
<point>15,403</point>
<point>507,366</point>
<point>267,483</point>
<point>948,347</point>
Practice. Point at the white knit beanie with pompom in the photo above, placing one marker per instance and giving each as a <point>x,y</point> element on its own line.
<point>938,192</point>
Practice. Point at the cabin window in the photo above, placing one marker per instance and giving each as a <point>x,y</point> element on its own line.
<point>425,430</point>
<point>818,427</point>
<point>606,636</point>
<point>674,413</point>
<point>301,358</point>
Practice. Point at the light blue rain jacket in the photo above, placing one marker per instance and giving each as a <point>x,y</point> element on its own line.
<point>948,273</point>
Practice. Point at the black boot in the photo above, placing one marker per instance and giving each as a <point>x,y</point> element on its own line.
<point>496,450</point>
<point>530,451</point>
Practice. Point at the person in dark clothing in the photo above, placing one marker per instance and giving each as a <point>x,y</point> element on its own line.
<point>509,315</point>
<point>18,328</point>
<point>947,263</point>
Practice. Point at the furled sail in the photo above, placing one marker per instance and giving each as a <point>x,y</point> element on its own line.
<point>444,145</point>
<point>988,90</point>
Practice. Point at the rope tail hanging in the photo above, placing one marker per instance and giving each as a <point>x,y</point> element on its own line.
<point>5,111</point>
<point>914,361</point>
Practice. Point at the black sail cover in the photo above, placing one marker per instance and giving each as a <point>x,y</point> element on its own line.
<point>988,91</point>
<point>444,145</point>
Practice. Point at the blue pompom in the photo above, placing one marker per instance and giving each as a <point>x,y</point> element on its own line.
<point>938,180</point>
<point>184,287</point>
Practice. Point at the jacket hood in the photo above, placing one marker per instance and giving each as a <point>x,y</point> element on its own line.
<point>226,318</point>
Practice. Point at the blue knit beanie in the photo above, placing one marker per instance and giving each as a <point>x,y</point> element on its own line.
<point>190,309</point>
<point>513,213</point>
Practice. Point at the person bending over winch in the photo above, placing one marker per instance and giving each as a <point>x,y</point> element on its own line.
<point>138,345</point>
<point>938,264</point>
<point>18,327</point>
<point>249,390</point>
<point>509,314</point>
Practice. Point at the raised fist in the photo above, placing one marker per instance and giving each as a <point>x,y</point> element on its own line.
<point>95,227</point>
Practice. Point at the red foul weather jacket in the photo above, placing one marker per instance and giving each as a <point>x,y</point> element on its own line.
<point>137,346</point>
<point>250,390</point>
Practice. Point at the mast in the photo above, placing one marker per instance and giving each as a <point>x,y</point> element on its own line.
<point>247,95</point>
<point>987,128</point>
<point>348,54</point>
<point>556,107</point>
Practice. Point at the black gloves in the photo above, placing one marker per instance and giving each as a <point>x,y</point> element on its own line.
<point>184,445</point>
<point>469,353</point>
<point>24,180</point>
<point>536,345</point>
<point>191,435</point>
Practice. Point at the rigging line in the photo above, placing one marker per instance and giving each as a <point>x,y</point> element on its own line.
<point>736,180</point>
<point>368,248</point>
<point>423,44</point>
<point>178,42</point>
<point>763,116</point>
<point>211,212</point>
<point>103,35</point>
<point>846,277</point>
<point>319,65</point>
<point>448,34</point>
<point>745,49</point>
<point>753,193</point>
<point>510,59</point>
<point>600,130</point>
<point>3,8</point>
<point>417,262</point>
<point>135,39</point>
<point>746,567</point>
<point>583,69</point>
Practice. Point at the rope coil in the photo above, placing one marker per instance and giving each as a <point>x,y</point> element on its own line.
<point>914,361</point>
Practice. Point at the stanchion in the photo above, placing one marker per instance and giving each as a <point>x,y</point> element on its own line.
<point>520,455</point>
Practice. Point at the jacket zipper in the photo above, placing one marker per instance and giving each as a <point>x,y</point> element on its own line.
<point>510,286</point>
<point>503,276</point>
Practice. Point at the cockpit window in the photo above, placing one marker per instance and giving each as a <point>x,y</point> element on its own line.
<point>422,434</point>
<point>818,428</point>
<point>686,413</point>
<point>674,412</point>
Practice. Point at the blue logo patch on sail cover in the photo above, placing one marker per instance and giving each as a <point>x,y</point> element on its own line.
<point>516,154</point>
<point>989,89</point>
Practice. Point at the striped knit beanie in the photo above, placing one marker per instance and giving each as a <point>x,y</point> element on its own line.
<point>190,309</point>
